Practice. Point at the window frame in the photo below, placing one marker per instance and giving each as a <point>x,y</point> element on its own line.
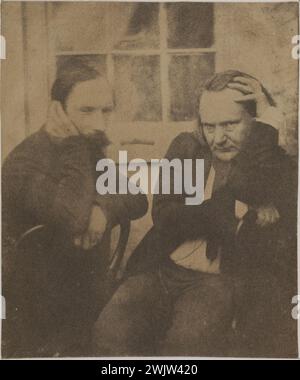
<point>166,127</point>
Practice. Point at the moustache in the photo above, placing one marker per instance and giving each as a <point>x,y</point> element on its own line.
<point>224,149</point>
<point>98,142</point>
<point>224,145</point>
<point>99,138</point>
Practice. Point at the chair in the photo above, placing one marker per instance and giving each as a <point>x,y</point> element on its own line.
<point>31,250</point>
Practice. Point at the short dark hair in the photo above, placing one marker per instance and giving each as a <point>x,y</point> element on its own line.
<point>71,72</point>
<point>219,82</point>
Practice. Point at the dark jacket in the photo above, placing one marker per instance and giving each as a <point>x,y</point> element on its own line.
<point>261,174</point>
<point>53,183</point>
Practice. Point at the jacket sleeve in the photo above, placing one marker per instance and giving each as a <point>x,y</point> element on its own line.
<point>210,218</point>
<point>256,169</point>
<point>62,197</point>
<point>263,174</point>
<point>122,207</point>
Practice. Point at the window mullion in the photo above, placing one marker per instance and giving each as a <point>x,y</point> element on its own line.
<point>164,64</point>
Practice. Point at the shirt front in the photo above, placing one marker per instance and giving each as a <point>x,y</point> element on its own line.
<point>192,254</point>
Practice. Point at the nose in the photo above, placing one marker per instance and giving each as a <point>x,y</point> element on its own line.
<point>98,122</point>
<point>220,136</point>
<point>99,127</point>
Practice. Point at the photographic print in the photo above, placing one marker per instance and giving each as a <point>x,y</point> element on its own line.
<point>149,179</point>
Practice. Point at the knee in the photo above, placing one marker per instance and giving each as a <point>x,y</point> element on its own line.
<point>201,341</point>
<point>111,330</point>
<point>109,335</point>
<point>121,319</point>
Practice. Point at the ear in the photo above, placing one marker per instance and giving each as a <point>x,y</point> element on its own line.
<point>198,132</point>
<point>59,124</point>
<point>63,117</point>
<point>53,124</point>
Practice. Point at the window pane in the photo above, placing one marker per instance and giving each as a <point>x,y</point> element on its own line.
<point>93,60</point>
<point>79,26</point>
<point>90,26</point>
<point>142,30</point>
<point>190,25</point>
<point>137,88</point>
<point>187,75</point>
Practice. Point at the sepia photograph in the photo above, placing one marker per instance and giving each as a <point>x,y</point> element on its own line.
<point>149,179</point>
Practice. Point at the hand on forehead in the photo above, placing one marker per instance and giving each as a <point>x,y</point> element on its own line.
<point>249,88</point>
<point>224,102</point>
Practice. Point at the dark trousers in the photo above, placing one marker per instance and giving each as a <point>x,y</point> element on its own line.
<point>53,298</point>
<point>174,311</point>
<point>180,312</point>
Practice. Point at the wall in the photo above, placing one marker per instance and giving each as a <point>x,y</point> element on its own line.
<point>24,73</point>
<point>12,79</point>
<point>258,41</point>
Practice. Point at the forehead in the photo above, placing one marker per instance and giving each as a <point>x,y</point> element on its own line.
<point>94,93</point>
<point>217,106</point>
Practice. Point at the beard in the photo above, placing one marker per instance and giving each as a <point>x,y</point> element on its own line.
<point>98,139</point>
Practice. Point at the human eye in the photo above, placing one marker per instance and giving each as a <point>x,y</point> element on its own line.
<point>209,128</point>
<point>107,110</point>
<point>87,109</point>
<point>230,125</point>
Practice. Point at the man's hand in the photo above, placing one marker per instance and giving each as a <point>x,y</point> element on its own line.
<point>267,215</point>
<point>58,123</point>
<point>250,89</point>
<point>95,231</point>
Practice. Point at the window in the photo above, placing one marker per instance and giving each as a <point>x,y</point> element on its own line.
<point>158,55</point>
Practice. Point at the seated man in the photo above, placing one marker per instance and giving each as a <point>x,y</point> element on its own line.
<point>227,265</point>
<point>49,179</point>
